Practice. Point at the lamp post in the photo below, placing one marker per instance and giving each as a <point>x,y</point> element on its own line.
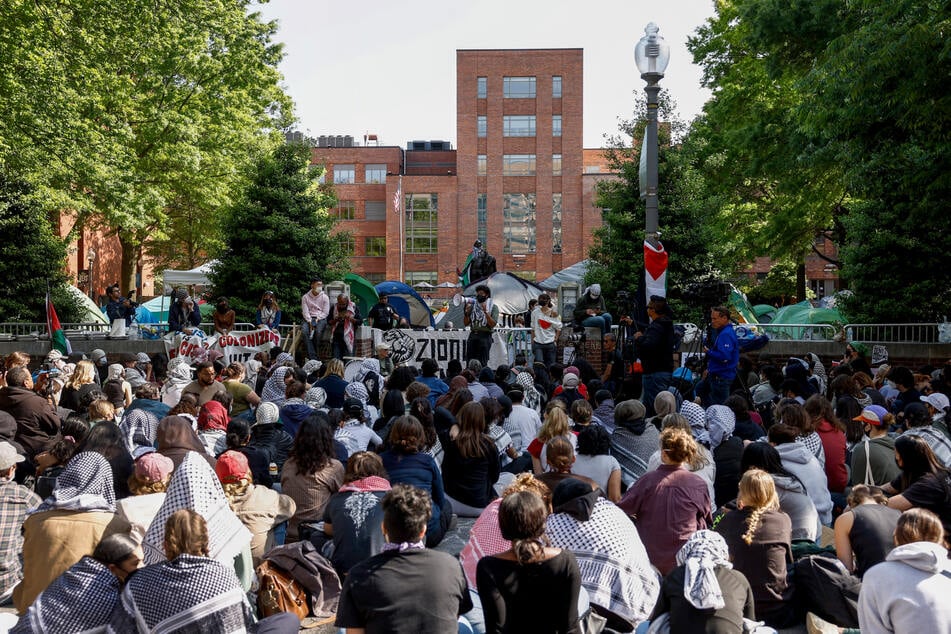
<point>91,257</point>
<point>652,55</point>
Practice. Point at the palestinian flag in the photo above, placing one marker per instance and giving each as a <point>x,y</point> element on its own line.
<point>655,270</point>
<point>57,336</point>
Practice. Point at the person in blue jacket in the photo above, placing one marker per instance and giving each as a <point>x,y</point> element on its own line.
<point>723,355</point>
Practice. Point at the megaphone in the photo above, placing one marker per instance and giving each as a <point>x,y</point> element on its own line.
<point>459,299</point>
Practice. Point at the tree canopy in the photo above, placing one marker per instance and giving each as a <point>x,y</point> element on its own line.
<point>278,235</point>
<point>129,111</point>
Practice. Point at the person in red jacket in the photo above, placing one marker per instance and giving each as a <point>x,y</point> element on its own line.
<point>832,434</point>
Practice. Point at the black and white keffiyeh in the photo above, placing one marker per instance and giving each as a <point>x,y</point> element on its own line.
<point>721,421</point>
<point>188,594</point>
<point>700,556</point>
<point>138,428</point>
<point>274,389</point>
<point>478,317</point>
<point>84,485</point>
<point>88,584</point>
<point>531,398</point>
<point>615,569</point>
<point>359,391</point>
<point>698,422</point>
<point>195,486</point>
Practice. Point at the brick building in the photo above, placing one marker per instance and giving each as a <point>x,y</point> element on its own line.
<point>517,180</point>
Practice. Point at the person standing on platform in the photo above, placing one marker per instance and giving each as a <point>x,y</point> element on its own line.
<point>546,324</point>
<point>723,355</point>
<point>315,306</point>
<point>481,316</point>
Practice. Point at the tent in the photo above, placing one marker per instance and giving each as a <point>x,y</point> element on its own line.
<point>90,310</point>
<point>805,313</point>
<point>197,275</point>
<point>407,303</point>
<point>764,312</point>
<point>362,292</point>
<point>574,274</point>
<point>510,293</point>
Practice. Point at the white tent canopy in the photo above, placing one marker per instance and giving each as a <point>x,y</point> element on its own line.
<point>197,275</point>
<point>572,274</point>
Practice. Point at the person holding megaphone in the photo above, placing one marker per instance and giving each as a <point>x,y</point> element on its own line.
<point>481,316</point>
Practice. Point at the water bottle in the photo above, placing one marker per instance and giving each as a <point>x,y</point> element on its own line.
<point>272,469</point>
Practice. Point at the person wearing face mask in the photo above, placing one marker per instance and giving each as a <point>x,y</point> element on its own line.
<point>183,315</point>
<point>269,312</point>
<point>223,315</point>
<point>481,317</point>
<point>546,325</point>
<point>315,306</point>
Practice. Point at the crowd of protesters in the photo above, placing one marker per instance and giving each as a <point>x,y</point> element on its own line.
<point>602,499</point>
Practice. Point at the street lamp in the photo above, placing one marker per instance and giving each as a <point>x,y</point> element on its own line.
<point>91,257</point>
<point>652,55</point>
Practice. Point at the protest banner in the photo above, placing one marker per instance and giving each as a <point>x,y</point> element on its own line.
<point>235,346</point>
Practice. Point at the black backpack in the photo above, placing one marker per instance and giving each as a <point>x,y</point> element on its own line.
<point>826,588</point>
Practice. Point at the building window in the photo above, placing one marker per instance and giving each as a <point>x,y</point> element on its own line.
<point>518,87</point>
<point>592,169</point>
<point>556,223</point>
<point>482,125</point>
<point>343,210</point>
<point>518,231</point>
<point>556,164</point>
<point>556,125</point>
<point>345,240</point>
<point>375,246</point>
<point>518,125</point>
<point>417,277</point>
<point>481,164</point>
<point>422,226</point>
<point>375,210</point>
<point>483,219</point>
<point>518,165</point>
<point>375,174</point>
<point>374,278</point>
<point>343,174</point>
<point>556,87</point>
<point>482,83</point>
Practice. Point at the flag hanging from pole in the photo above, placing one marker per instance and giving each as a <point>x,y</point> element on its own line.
<point>398,197</point>
<point>57,336</point>
<point>655,270</point>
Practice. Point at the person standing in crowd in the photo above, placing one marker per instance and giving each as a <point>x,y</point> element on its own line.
<point>269,311</point>
<point>908,592</point>
<point>315,308</point>
<point>344,319</point>
<point>119,307</point>
<point>16,502</point>
<point>183,315</point>
<point>546,324</point>
<point>590,310</point>
<point>723,356</point>
<point>481,316</point>
<point>223,316</point>
<point>382,316</point>
<point>375,597</point>
<point>204,387</point>
<point>655,348</point>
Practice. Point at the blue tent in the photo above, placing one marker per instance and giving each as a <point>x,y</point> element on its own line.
<point>407,303</point>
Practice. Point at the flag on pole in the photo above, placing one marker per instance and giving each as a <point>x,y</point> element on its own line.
<point>57,336</point>
<point>398,197</point>
<point>655,270</point>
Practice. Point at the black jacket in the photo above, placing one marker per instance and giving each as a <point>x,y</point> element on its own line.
<point>656,346</point>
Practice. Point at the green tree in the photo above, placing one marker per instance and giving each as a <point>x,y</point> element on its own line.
<point>683,203</point>
<point>124,110</point>
<point>279,235</point>
<point>31,257</point>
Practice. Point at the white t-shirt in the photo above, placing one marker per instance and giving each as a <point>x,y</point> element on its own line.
<point>522,425</point>
<point>540,333</point>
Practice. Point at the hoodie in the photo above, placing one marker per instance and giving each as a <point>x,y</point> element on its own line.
<point>796,503</point>
<point>798,460</point>
<point>908,591</point>
<point>37,421</point>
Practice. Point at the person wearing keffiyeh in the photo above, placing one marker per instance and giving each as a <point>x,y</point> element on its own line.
<point>94,582</point>
<point>345,318</point>
<point>67,525</point>
<point>704,592</point>
<point>481,316</point>
<point>275,388</point>
<point>178,376</point>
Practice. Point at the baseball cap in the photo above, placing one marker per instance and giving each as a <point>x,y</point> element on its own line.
<point>232,467</point>
<point>937,400</point>
<point>570,381</point>
<point>153,467</point>
<point>873,415</point>
<point>9,456</point>
<point>352,406</point>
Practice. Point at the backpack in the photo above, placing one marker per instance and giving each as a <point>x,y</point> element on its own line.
<point>279,592</point>
<point>825,587</point>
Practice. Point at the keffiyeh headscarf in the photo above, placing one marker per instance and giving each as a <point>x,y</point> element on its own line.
<point>179,372</point>
<point>359,391</point>
<point>721,421</point>
<point>213,415</point>
<point>698,422</point>
<point>819,372</point>
<point>700,556</point>
<point>532,398</point>
<point>88,583</point>
<point>116,371</point>
<point>195,486</point>
<point>315,397</point>
<point>138,428</point>
<point>274,390</point>
<point>84,485</point>
<point>281,360</point>
<point>367,366</point>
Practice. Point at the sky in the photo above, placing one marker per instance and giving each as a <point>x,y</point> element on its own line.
<point>388,68</point>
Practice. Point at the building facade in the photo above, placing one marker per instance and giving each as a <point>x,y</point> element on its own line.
<point>516,180</point>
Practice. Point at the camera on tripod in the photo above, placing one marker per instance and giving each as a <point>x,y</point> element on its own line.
<point>706,293</point>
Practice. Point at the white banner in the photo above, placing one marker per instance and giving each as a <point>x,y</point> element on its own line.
<point>410,347</point>
<point>236,346</point>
